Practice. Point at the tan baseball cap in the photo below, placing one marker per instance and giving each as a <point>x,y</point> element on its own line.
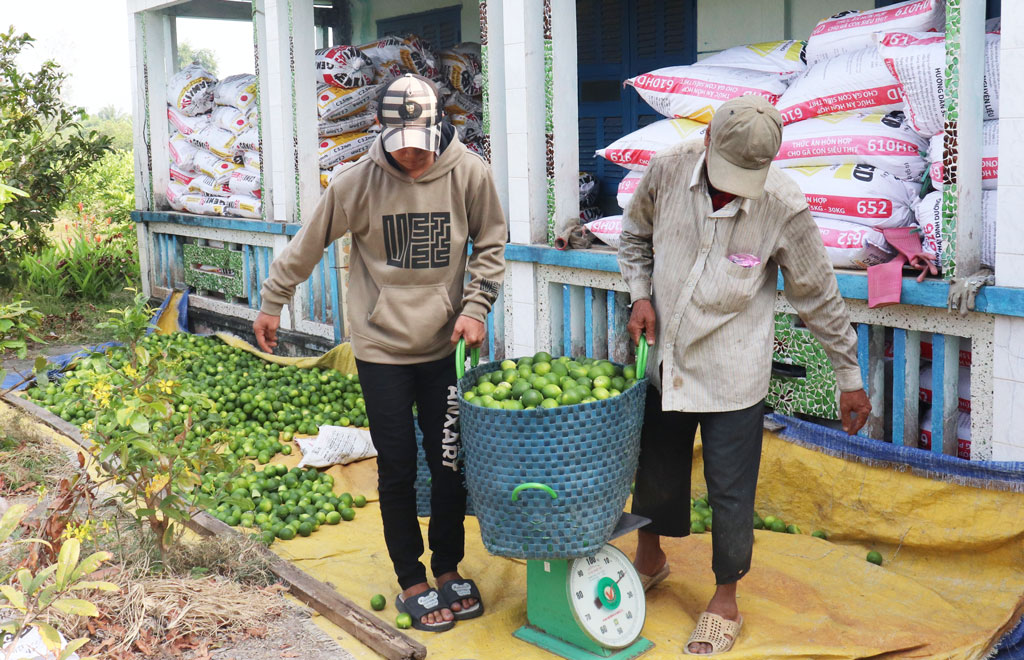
<point>746,133</point>
<point>410,114</point>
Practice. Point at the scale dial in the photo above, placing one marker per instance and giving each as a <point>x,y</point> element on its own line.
<point>607,598</point>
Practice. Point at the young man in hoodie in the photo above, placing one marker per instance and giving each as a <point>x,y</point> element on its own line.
<point>412,205</point>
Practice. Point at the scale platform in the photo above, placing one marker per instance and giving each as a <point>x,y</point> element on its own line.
<point>569,618</point>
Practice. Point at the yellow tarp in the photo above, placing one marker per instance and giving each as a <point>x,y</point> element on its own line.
<point>951,584</point>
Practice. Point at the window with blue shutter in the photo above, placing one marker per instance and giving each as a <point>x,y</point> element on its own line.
<point>441,27</point>
<point>616,40</point>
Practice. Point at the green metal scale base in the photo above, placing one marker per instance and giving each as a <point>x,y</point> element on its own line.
<point>587,608</point>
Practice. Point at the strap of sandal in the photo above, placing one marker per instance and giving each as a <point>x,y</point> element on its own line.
<point>420,605</point>
<point>454,590</point>
<point>712,629</point>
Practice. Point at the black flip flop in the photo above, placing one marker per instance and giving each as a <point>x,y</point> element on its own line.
<point>455,590</point>
<point>421,605</point>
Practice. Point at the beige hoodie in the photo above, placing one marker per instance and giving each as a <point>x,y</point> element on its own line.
<point>409,252</point>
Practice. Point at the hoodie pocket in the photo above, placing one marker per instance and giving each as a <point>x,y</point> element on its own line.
<point>410,318</point>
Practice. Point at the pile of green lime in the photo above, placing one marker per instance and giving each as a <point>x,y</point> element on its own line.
<point>281,503</point>
<point>545,382</point>
<point>701,520</point>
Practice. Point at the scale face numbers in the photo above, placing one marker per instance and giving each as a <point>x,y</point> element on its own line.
<point>607,598</point>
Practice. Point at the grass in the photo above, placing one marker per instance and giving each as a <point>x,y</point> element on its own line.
<point>26,464</point>
<point>67,322</point>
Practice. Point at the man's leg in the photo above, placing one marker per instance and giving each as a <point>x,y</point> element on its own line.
<point>389,392</point>
<point>662,480</point>
<point>437,404</point>
<point>732,456</point>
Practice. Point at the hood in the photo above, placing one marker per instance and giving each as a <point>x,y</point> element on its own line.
<point>452,151</point>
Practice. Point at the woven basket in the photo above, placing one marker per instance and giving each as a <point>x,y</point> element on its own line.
<point>423,480</point>
<point>550,483</point>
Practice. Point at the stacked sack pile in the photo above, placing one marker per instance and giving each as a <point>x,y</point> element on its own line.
<point>863,111</point>
<point>350,79</point>
<point>347,84</point>
<point>462,88</point>
<point>214,144</point>
<point>688,97</point>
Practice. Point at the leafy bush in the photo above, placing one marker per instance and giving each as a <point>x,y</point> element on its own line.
<point>44,147</point>
<point>18,321</point>
<point>106,190</point>
<point>91,258</point>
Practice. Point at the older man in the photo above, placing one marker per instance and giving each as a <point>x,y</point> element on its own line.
<point>702,240</point>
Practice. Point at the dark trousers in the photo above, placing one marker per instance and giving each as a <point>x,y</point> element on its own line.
<point>390,391</point>
<point>732,455</point>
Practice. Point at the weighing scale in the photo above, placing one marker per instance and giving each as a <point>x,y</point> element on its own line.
<point>587,608</point>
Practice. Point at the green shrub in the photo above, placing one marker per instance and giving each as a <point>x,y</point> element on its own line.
<point>18,322</point>
<point>106,190</point>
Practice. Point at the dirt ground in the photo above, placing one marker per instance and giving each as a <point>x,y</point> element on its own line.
<point>294,635</point>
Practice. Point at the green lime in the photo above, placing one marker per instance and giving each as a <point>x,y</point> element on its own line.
<point>542,368</point>
<point>378,602</point>
<point>542,356</point>
<point>305,528</point>
<point>769,521</point>
<point>508,364</point>
<point>348,514</point>
<point>778,526</point>
<point>758,523</point>
<point>502,393</point>
<point>793,529</point>
<point>548,403</point>
<point>531,398</point>
<point>359,501</point>
<point>286,533</point>
<point>551,391</point>
<point>569,398</point>
<point>820,534</point>
<point>332,518</point>
<point>696,527</point>
<point>512,404</point>
<point>403,621</point>
<point>875,557</point>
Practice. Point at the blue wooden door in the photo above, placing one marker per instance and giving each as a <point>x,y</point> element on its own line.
<point>616,40</point>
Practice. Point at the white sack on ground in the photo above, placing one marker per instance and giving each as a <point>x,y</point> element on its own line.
<point>918,60</point>
<point>627,187</point>
<point>885,141</point>
<point>851,245</point>
<point>190,90</point>
<point>608,230</point>
<point>857,81</point>
<point>860,194</point>
<point>853,30</point>
<point>697,91</point>
<point>989,157</point>
<point>781,57</point>
<point>238,91</point>
<point>344,66</point>
<point>635,150</point>
<point>929,219</point>
<point>336,445</point>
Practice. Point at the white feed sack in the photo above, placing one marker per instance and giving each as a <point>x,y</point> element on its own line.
<point>963,433</point>
<point>882,140</point>
<point>232,119</point>
<point>856,193</point>
<point>929,219</point>
<point>989,157</point>
<point>251,159</point>
<point>351,124</point>
<point>175,195</point>
<point>608,230</point>
<point>462,68</point>
<point>215,139</point>
<point>243,206</point>
<point>697,91</point>
<point>856,81</point>
<point>244,181</point>
<point>247,141</point>
<point>215,167</point>
<point>338,102</point>
<point>918,60</point>
<point>779,57</point>
<point>238,91</point>
<point>627,187</point>
<point>190,91</point>
<point>853,30</point>
<point>342,148</point>
<point>182,152</point>
<point>850,245</point>
<point>635,150</point>
<point>963,387</point>
<point>201,204</point>
<point>185,124</point>
<point>344,66</point>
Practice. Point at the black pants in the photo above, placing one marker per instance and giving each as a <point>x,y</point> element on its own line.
<point>390,391</point>
<point>732,455</point>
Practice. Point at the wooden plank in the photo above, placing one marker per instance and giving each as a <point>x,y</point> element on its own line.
<point>599,323</point>
<point>577,322</point>
<point>912,394</point>
<point>557,320</point>
<point>945,396</point>
<point>876,382</point>
<point>337,609</point>
<point>217,222</point>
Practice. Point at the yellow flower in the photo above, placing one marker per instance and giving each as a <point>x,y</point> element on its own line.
<point>101,392</point>
<point>130,371</point>
<point>166,386</point>
<point>82,532</point>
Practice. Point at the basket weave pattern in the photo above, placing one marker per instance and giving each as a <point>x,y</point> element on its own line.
<point>586,453</point>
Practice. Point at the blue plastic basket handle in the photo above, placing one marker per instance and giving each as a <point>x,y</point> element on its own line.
<point>460,357</point>
<point>533,484</point>
<point>641,357</point>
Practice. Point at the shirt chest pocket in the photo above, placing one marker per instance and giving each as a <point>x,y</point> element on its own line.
<point>730,287</point>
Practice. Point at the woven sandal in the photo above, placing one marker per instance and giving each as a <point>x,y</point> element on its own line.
<point>650,581</point>
<point>712,629</point>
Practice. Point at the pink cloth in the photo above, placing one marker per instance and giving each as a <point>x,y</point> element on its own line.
<point>885,281</point>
